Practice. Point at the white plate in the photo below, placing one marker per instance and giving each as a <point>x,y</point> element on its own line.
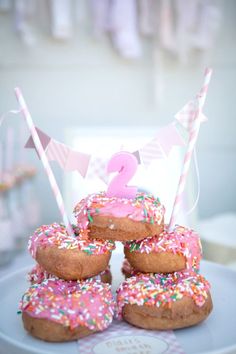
<point>217,334</point>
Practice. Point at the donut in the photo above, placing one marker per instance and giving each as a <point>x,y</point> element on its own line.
<point>126,269</point>
<point>168,252</point>
<point>38,274</point>
<point>69,257</point>
<point>164,301</point>
<point>120,219</point>
<point>58,310</point>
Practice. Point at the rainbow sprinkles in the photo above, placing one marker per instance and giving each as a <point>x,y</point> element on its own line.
<point>57,235</point>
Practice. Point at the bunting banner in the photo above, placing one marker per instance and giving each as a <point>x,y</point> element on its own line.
<point>68,158</point>
<point>160,146</point>
<point>88,165</point>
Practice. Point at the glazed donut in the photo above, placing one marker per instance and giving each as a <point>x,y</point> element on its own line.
<point>166,253</point>
<point>58,310</point>
<point>69,257</point>
<point>120,219</point>
<point>37,275</point>
<point>164,301</point>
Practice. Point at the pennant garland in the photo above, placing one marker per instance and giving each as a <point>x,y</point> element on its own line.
<point>68,158</point>
<point>88,166</point>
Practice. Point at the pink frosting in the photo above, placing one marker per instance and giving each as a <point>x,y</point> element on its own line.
<point>56,235</point>
<point>86,303</point>
<point>180,241</point>
<point>143,207</point>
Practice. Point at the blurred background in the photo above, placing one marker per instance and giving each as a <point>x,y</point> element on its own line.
<point>99,75</point>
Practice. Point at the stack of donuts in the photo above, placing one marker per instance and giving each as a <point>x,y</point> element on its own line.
<point>163,289</point>
<point>69,296</point>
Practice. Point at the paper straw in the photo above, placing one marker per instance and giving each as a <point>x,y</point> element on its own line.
<point>194,130</point>
<point>44,160</point>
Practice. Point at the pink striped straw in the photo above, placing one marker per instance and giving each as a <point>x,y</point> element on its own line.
<point>44,160</point>
<point>194,130</point>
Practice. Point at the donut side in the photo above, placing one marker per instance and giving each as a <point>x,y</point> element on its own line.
<point>122,229</point>
<point>71,264</point>
<point>182,313</point>
<point>165,253</point>
<point>154,262</point>
<point>38,274</point>
<point>51,331</point>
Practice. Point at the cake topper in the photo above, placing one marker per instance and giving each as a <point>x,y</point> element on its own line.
<point>126,165</point>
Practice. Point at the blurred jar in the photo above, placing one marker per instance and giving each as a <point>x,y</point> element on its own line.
<point>18,223</point>
<point>6,237</point>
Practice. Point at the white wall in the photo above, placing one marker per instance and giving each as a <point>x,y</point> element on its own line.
<point>84,83</point>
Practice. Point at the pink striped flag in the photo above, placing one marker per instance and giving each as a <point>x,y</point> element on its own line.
<point>193,126</point>
<point>187,115</point>
<point>161,145</point>
<point>68,158</point>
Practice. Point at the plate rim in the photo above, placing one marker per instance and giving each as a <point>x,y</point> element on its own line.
<point>21,345</point>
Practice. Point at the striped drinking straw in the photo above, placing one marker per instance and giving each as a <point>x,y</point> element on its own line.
<point>44,160</point>
<point>194,130</point>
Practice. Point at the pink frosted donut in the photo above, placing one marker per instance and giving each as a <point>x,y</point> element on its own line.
<point>165,253</point>
<point>126,269</point>
<point>120,219</point>
<point>37,275</point>
<point>69,257</point>
<point>58,310</point>
<point>164,301</point>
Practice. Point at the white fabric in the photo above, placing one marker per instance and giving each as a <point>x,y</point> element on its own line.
<point>61,19</point>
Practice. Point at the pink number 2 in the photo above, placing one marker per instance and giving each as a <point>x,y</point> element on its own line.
<point>126,165</point>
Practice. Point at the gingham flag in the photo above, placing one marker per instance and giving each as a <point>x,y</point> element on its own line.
<point>187,115</point>
<point>161,145</point>
<point>68,158</point>
<point>98,167</point>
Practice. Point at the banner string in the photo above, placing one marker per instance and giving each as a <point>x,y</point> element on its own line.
<point>195,162</point>
<point>4,115</point>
